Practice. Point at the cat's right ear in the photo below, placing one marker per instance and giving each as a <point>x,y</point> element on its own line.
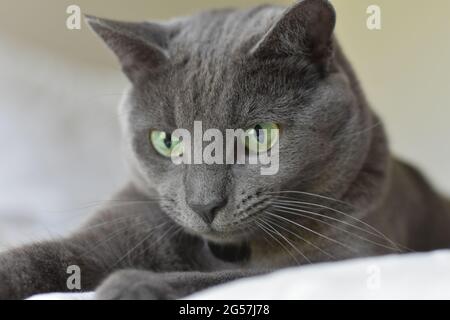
<point>138,46</point>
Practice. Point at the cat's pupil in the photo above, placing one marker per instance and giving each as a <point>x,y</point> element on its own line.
<point>259,133</point>
<point>168,140</point>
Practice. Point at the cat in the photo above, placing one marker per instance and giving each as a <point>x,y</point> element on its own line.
<point>177,229</point>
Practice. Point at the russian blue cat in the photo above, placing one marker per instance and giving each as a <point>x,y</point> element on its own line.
<point>176,229</point>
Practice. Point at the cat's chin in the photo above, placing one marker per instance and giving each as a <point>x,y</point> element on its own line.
<point>226,237</point>
<point>218,236</point>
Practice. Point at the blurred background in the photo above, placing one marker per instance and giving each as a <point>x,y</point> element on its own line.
<point>59,139</point>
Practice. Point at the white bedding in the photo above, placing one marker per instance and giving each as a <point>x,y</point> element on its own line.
<point>409,276</point>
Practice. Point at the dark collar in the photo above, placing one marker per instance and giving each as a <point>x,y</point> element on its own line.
<point>230,252</point>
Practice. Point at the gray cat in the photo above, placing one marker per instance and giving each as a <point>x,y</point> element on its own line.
<point>177,229</point>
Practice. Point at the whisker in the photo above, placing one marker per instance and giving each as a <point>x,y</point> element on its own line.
<point>312,195</point>
<point>141,242</point>
<point>312,231</point>
<point>264,233</point>
<point>92,204</point>
<point>114,235</point>
<point>296,213</point>
<point>294,208</point>
<point>362,131</point>
<point>107,222</point>
<point>175,231</point>
<point>393,243</point>
<point>281,203</point>
<point>287,240</point>
<point>301,238</point>
<point>278,241</point>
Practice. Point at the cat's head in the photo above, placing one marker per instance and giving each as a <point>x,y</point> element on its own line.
<point>234,69</point>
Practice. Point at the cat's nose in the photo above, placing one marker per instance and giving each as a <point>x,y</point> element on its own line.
<point>208,211</point>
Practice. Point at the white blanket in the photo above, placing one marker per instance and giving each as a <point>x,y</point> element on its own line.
<point>409,276</point>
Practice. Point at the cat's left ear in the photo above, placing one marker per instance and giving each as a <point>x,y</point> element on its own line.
<point>140,47</point>
<point>305,28</point>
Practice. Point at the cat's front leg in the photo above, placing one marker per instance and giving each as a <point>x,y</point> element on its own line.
<point>45,267</point>
<point>148,285</point>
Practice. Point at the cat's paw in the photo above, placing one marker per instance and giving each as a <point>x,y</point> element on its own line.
<point>134,285</point>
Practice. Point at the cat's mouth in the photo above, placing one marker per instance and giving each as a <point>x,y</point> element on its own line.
<point>227,227</point>
<point>224,234</point>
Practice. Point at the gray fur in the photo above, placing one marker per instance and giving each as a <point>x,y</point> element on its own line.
<point>232,69</point>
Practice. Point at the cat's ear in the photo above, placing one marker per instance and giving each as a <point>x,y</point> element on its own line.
<point>304,28</point>
<point>140,47</point>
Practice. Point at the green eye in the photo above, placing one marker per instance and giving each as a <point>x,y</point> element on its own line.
<point>165,144</point>
<point>262,137</point>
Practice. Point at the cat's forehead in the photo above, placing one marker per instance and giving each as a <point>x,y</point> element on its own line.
<point>223,94</point>
<point>207,96</point>
<point>217,32</point>
<point>210,78</point>
<point>192,92</point>
<point>207,54</point>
